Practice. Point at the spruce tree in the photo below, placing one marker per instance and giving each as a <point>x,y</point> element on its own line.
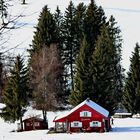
<point>102,80</point>
<point>94,19</point>
<point>68,31</point>
<point>131,96</point>
<point>16,94</point>
<point>45,33</point>
<point>115,35</point>
<point>102,71</point>
<point>79,17</point>
<point>58,17</point>
<point>83,78</point>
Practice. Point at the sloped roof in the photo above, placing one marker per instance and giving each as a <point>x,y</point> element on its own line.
<point>33,118</point>
<point>91,104</point>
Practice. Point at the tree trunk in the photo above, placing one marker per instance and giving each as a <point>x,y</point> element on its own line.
<point>45,118</point>
<point>23,2</point>
<point>71,67</point>
<point>21,123</point>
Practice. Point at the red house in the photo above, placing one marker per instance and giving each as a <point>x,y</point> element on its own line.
<point>86,117</point>
<point>34,123</point>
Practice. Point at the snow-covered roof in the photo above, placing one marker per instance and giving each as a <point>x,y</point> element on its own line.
<point>91,104</point>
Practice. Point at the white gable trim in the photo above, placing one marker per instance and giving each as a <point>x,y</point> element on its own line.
<point>97,108</point>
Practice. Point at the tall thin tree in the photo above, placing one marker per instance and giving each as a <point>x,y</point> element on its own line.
<point>102,67</point>
<point>82,79</point>
<point>131,96</point>
<point>68,31</point>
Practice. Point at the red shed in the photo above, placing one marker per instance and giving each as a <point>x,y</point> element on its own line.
<point>87,117</point>
<point>34,123</point>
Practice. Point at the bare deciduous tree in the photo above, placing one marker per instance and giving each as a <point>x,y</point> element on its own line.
<point>46,70</point>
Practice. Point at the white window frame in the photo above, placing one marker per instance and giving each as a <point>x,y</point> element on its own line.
<point>85,114</point>
<point>95,124</point>
<point>76,124</point>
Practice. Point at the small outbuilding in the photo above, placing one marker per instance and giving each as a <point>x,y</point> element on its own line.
<point>34,123</point>
<point>85,117</point>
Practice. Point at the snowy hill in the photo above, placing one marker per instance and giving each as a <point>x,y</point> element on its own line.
<point>22,37</point>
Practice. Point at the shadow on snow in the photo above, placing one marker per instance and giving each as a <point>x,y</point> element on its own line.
<point>126,129</point>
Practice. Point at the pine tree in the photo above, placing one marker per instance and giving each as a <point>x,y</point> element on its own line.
<point>131,96</point>
<point>16,93</point>
<point>79,17</point>
<point>45,33</point>
<point>102,71</point>
<point>68,27</point>
<point>58,17</point>
<point>83,85</point>
<point>115,35</point>
<point>93,22</point>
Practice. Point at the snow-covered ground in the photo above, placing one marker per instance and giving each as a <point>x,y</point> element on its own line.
<point>128,128</point>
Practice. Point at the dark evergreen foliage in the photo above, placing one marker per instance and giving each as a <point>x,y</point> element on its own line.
<point>114,32</point>
<point>79,17</point>
<point>131,96</point>
<point>103,72</point>
<point>17,92</point>
<point>46,31</point>
<point>99,73</point>
<point>83,78</point>
<point>68,31</point>
<point>58,17</point>
<point>93,22</point>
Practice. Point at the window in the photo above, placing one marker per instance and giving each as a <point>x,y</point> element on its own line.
<point>95,124</point>
<point>27,124</point>
<point>36,124</point>
<point>76,124</point>
<point>85,114</point>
